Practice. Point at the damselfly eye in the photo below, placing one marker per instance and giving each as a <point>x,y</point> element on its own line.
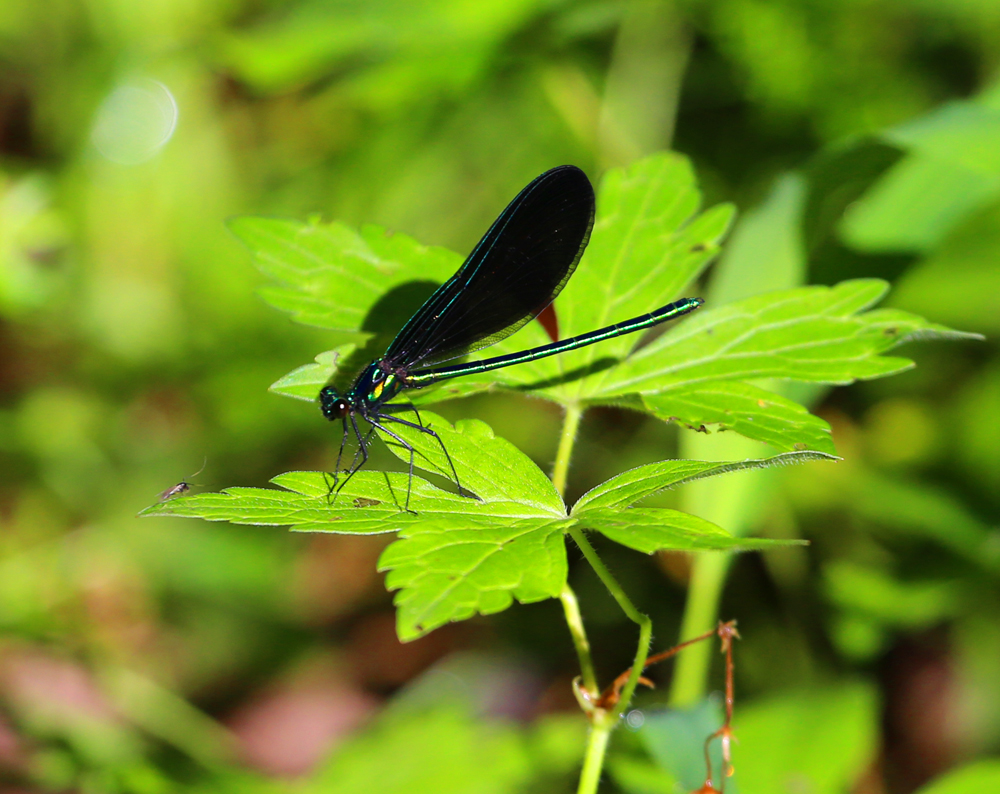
<point>332,404</point>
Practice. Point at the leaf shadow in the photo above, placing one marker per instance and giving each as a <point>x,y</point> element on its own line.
<point>598,365</point>
<point>383,321</point>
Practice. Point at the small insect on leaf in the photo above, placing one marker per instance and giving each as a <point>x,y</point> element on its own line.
<point>176,490</point>
<point>183,486</point>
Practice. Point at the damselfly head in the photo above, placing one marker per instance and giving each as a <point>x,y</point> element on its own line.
<point>332,404</point>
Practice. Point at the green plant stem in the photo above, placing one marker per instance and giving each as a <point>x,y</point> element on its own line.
<point>708,576</point>
<point>571,608</point>
<point>597,746</point>
<point>571,424</point>
<point>633,614</point>
<point>602,721</point>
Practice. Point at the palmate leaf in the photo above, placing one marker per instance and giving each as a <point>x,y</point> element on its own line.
<point>331,276</point>
<point>457,556</point>
<point>648,245</point>
<point>698,372</point>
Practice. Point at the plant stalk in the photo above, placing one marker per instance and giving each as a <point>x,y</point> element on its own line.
<point>597,746</point>
<point>571,424</point>
<point>602,721</point>
<point>633,614</point>
<point>574,620</point>
<point>708,576</point>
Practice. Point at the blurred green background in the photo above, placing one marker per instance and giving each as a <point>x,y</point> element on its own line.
<point>857,139</point>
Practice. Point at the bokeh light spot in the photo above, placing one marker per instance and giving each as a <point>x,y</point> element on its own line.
<point>135,122</point>
<point>635,719</point>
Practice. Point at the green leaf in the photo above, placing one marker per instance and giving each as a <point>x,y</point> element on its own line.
<point>434,731</point>
<point>635,775</point>
<point>431,751</point>
<point>959,281</point>
<point>822,739</point>
<point>446,574</point>
<point>874,594</point>
<point>370,503</point>
<point>652,529</point>
<point>629,487</point>
<point>979,776</point>
<point>489,466</point>
<point>449,575</point>
<point>507,484</point>
<point>305,382</point>
<point>458,556</point>
<point>806,334</point>
<point>386,57</point>
<point>766,250</point>
<point>331,276</point>
<point>951,169</point>
<point>915,205</point>
<point>965,133</point>
<point>647,245</point>
<point>747,409</point>
<point>922,510</point>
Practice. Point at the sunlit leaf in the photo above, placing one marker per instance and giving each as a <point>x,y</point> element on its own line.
<point>629,487</point>
<point>648,244</point>
<point>965,133</point>
<point>445,574</point>
<point>807,334</point>
<point>915,205</point>
<point>457,556</point>
<point>487,465</point>
<point>305,382</point>
<point>747,409</point>
<point>951,169</point>
<point>330,276</point>
<point>649,529</point>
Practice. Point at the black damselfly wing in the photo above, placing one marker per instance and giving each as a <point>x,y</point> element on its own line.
<point>515,271</point>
